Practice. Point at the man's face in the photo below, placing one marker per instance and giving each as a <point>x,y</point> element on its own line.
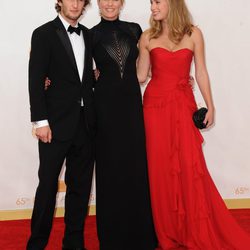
<point>71,10</point>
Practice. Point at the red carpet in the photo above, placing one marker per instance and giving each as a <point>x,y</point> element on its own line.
<point>14,234</point>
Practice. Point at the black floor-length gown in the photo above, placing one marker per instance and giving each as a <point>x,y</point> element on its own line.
<point>124,219</point>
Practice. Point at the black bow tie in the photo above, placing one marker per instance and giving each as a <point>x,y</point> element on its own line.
<point>72,29</point>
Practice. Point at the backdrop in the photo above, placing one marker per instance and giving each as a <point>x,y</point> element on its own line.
<point>225,25</point>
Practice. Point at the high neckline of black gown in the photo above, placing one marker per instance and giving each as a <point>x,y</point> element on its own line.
<point>110,22</point>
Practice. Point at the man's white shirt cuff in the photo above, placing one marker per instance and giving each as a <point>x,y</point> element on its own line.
<point>39,124</point>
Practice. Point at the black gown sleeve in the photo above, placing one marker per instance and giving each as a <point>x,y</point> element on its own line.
<point>136,30</point>
<point>132,29</point>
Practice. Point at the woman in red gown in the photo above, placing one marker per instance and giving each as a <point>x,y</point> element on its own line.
<point>188,211</point>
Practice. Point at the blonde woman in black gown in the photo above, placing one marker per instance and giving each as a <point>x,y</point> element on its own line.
<point>124,219</point>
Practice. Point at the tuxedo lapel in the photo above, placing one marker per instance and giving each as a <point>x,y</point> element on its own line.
<point>86,54</point>
<point>64,38</point>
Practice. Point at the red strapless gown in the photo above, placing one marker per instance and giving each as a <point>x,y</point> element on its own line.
<point>188,211</point>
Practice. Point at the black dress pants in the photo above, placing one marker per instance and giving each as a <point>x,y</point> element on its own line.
<point>78,153</point>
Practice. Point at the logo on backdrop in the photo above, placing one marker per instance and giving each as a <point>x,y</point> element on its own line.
<point>27,202</point>
<point>241,191</point>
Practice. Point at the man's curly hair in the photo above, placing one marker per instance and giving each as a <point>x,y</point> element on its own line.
<point>58,7</point>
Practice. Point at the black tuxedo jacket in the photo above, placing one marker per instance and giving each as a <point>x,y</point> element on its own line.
<point>52,56</point>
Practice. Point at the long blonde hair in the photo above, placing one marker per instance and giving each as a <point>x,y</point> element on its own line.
<point>179,21</point>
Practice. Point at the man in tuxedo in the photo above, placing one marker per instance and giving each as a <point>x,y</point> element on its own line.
<point>63,116</point>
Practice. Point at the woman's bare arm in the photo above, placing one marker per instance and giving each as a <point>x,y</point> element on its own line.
<point>201,74</point>
<point>143,63</point>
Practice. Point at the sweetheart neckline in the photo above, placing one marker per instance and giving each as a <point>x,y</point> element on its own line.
<point>170,50</point>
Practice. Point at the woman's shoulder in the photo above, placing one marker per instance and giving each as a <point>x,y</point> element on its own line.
<point>145,37</point>
<point>146,33</point>
<point>131,24</point>
<point>197,37</point>
<point>196,33</point>
<point>96,33</point>
<point>133,27</point>
<point>95,27</point>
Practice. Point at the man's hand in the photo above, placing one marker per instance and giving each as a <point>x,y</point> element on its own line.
<point>44,134</point>
<point>47,83</point>
<point>96,74</point>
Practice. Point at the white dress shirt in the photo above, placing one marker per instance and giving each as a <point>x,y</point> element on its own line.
<point>78,46</point>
